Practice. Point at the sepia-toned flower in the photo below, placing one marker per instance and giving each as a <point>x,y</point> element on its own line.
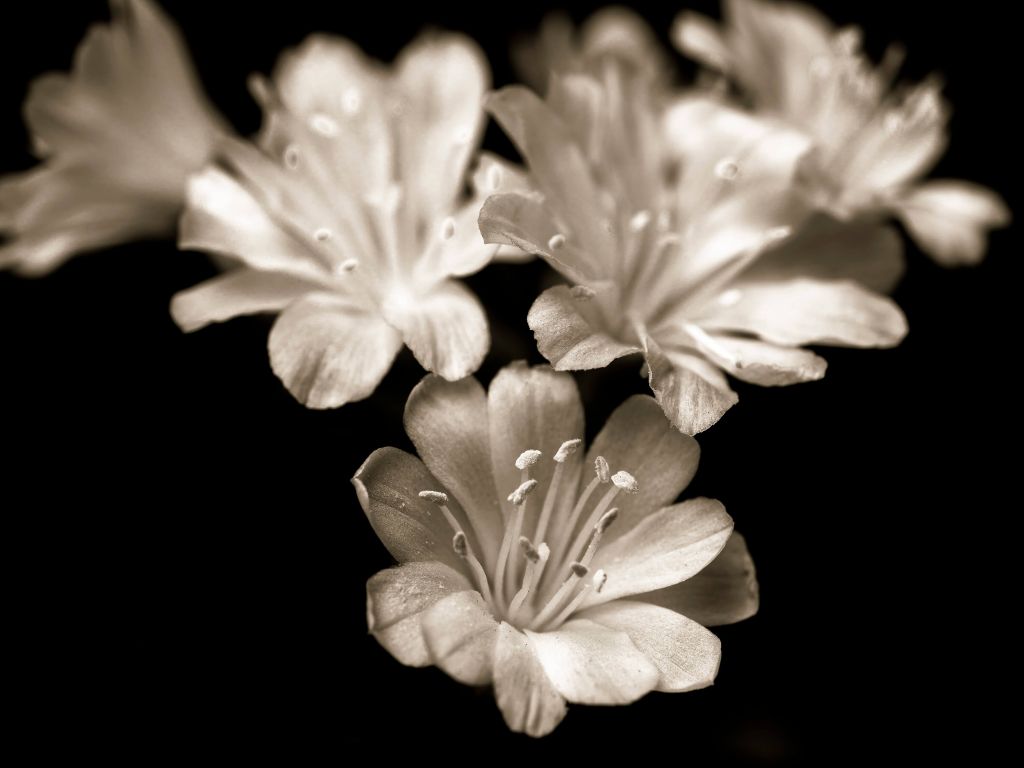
<point>553,573</point>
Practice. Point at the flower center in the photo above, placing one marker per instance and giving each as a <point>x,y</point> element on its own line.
<point>543,575</point>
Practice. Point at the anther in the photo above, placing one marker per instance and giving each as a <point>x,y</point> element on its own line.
<point>625,482</point>
<point>460,545</point>
<point>518,496</point>
<point>579,570</point>
<point>600,579</point>
<point>528,458</point>
<point>606,519</point>
<point>434,497</point>
<point>529,551</point>
<point>582,293</point>
<point>567,449</point>
<point>556,242</point>
<point>448,229</point>
<point>602,470</point>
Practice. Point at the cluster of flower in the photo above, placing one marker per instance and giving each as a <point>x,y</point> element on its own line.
<point>717,229</point>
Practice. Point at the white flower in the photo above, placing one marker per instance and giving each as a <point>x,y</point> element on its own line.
<point>118,138</point>
<point>676,254</point>
<point>553,573</point>
<point>872,143</point>
<point>350,219</point>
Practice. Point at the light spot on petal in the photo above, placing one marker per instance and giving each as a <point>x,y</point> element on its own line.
<point>731,297</point>
<point>291,156</point>
<point>727,169</point>
<point>556,242</point>
<point>351,101</point>
<point>324,125</point>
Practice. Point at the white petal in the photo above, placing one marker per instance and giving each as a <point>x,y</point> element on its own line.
<point>329,352</point>
<point>527,699</point>
<point>639,439</point>
<point>724,592</point>
<point>686,654</point>
<point>445,328</point>
<point>396,600</point>
<point>693,394</point>
<point>665,548</point>
<point>413,529</point>
<point>591,664</point>
<point>442,79</point>
<point>448,424</point>
<point>241,291</point>
<point>759,362</point>
<point>460,634</point>
<point>804,311</point>
<point>951,219</point>
<point>571,331</point>
<point>222,217</point>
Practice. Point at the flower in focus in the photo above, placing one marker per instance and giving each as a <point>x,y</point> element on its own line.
<point>349,217</point>
<point>684,256</point>
<point>872,142</point>
<point>118,138</point>
<point>552,573</point>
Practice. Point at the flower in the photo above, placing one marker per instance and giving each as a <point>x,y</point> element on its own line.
<point>872,143</point>
<point>349,217</point>
<point>552,573</point>
<point>674,253</point>
<point>118,138</point>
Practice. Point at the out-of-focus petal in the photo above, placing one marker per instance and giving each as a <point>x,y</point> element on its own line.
<point>698,37</point>
<point>241,291</point>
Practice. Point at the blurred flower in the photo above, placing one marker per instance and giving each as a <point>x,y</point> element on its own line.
<point>118,137</point>
<point>350,218</point>
<point>676,253</point>
<point>872,142</point>
<point>552,576</point>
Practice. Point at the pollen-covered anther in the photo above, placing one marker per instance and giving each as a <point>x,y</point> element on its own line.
<point>556,242</point>
<point>625,482</point>
<point>529,551</point>
<point>448,229</point>
<point>599,580</point>
<point>582,292</point>
<point>518,496</point>
<point>434,497</point>
<point>567,449</point>
<point>579,570</point>
<point>528,458</point>
<point>460,545</point>
<point>602,469</point>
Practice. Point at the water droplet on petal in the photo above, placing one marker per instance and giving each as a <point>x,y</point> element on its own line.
<point>727,169</point>
<point>346,266</point>
<point>323,234</point>
<point>556,242</point>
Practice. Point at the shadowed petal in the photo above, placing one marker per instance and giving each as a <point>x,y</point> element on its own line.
<point>527,699</point>
<point>396,600</point>
<point>663,549</point>
<point>591,664</point>
<point>692,393</point>
<point>328,352</point>
<point>724,592</point>
<point>686,654</point>
<point>759,362</point>
<point>461,633</point>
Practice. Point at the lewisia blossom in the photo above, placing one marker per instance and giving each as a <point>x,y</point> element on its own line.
<point>872,143</point>
<point>676,255</point>
<point>349,218</point>
<point>118,138</point>
<point>552,573</point>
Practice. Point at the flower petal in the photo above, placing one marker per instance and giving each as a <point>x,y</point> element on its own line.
<point>527,699</point>
<point>396,600</point>
<point>445,328</point>
<point>591,664</point>
<point>222,217</point>
<point>329,352</point>
<point>442,79</point>
<point>571,331</point>
<point>533,408</point>
<point>827,249</point>
<point>448,424</point>
<point>413,529</point>
<point>950,219</point>
<point>238,292</point>
<point>663,549</point>
<point>699,38</point>
<point>693,394</point>
<point>724,592</point>
<point>805,311</point>
<point>460,634</point>
<point>686,654</point>
<point>639,439</point>
<point>759,362</point>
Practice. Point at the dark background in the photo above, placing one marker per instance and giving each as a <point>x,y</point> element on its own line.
<point>186,556</point>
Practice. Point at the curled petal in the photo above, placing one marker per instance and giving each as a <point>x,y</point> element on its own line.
<point>692,393</point>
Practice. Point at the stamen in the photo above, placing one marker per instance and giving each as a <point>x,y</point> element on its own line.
<point>625,482</point>
<point>595,539</point>
<point>512,533</point>
<point>528,458</point>
<point>448,229</point>
<point>461,547</point>
<point>518,496</point>
<point>600,579</point>
<point>576,572</point>
<point>536,560</point>
<point>621,481</point>
<point>597,584</point>
<point>582,293</point>
<point>441,501</point>
<point>556,242</point>
<point>601,467</point>
<point>567,449</point>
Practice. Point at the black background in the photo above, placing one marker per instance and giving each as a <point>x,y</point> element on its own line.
<point>186,556</point>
